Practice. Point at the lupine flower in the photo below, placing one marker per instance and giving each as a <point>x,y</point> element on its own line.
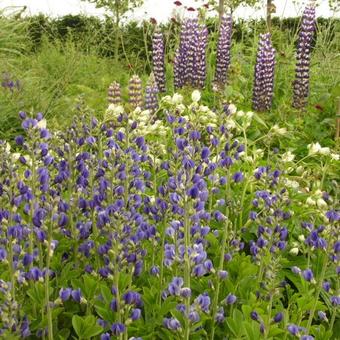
<point>158,58</point>
<point>114,94</point>
<point>151,91</point>
<point>264,74</point>
<point>135,92</point>
<point>223,50</point>
<point>190,57</point>
<point>303,56</point>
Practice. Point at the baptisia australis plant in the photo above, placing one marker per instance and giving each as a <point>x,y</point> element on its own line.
<point>264,74</point>
<point>303,56</point>
<point>173,225</point>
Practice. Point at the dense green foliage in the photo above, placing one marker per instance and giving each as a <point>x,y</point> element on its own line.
<point>56,60</point>
<point>95,200</point>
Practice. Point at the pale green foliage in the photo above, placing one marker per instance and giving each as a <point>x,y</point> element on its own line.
<point>117,7</point>
<point>233,4</point>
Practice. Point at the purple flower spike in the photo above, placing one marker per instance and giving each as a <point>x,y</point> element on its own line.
<point>303,56</point>
<point>190,57</point>
<point>158,60</point>
<point>223,50</point>
<point>264,74</point>
<point>114,93</point>
<point>151,91</point>
<point>135,92</point>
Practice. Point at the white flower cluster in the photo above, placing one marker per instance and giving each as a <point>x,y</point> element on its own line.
<point>316,199</point>
<point>317,149</point>
<point>145,125</point>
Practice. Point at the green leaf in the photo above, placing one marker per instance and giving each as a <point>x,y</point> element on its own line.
<point>260,120</point>
<point>64,334</point>
<point>106,293</point>
<point>77,323</point>
<point>92,330</point>
<point>90,285</point>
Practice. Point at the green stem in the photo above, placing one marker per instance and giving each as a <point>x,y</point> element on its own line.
<point>11,268</point>
<point>186,265</point>
<point>47,284</point>
<point>162,262</point>
<point>242,202</point>
<point>318,291</point>
<point>334,314</point>
<point>270,307</point>
<point>221,262</point>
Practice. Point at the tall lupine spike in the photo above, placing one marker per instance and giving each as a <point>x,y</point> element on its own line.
<point>151,91</point>
<point>190,57</point>
<point>192,32</point>
<point>199,76</point>
<point>223,50</point>
<point>303,56</point>
<point>264,74</point>
<point>158,60</point>
<point>181,55</point>
<point>114,93</point>
<point>135,92</point>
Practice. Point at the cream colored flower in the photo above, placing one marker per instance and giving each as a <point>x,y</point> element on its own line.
<point>41,124</point>
<point>321,203</point>
<point>279,131</point>
<point>288,156</point>
<point>335,156</point>
<point>310,201</point>
<point>294,251</point>
<point>196,96</point>
<point>177,99</point>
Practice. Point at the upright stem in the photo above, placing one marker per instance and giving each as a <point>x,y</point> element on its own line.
<point>221,262</point>
<point>270,307</point>
<point>11,268</point>
<point>162,261</point>
<point>117,29</point>
<point>334,314</point>
<point>318,291</point>
<point>269,15</point>
<point>220,10</point>
<point>47,283</point>
<point>116,280</point>
<point>187,265</point>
